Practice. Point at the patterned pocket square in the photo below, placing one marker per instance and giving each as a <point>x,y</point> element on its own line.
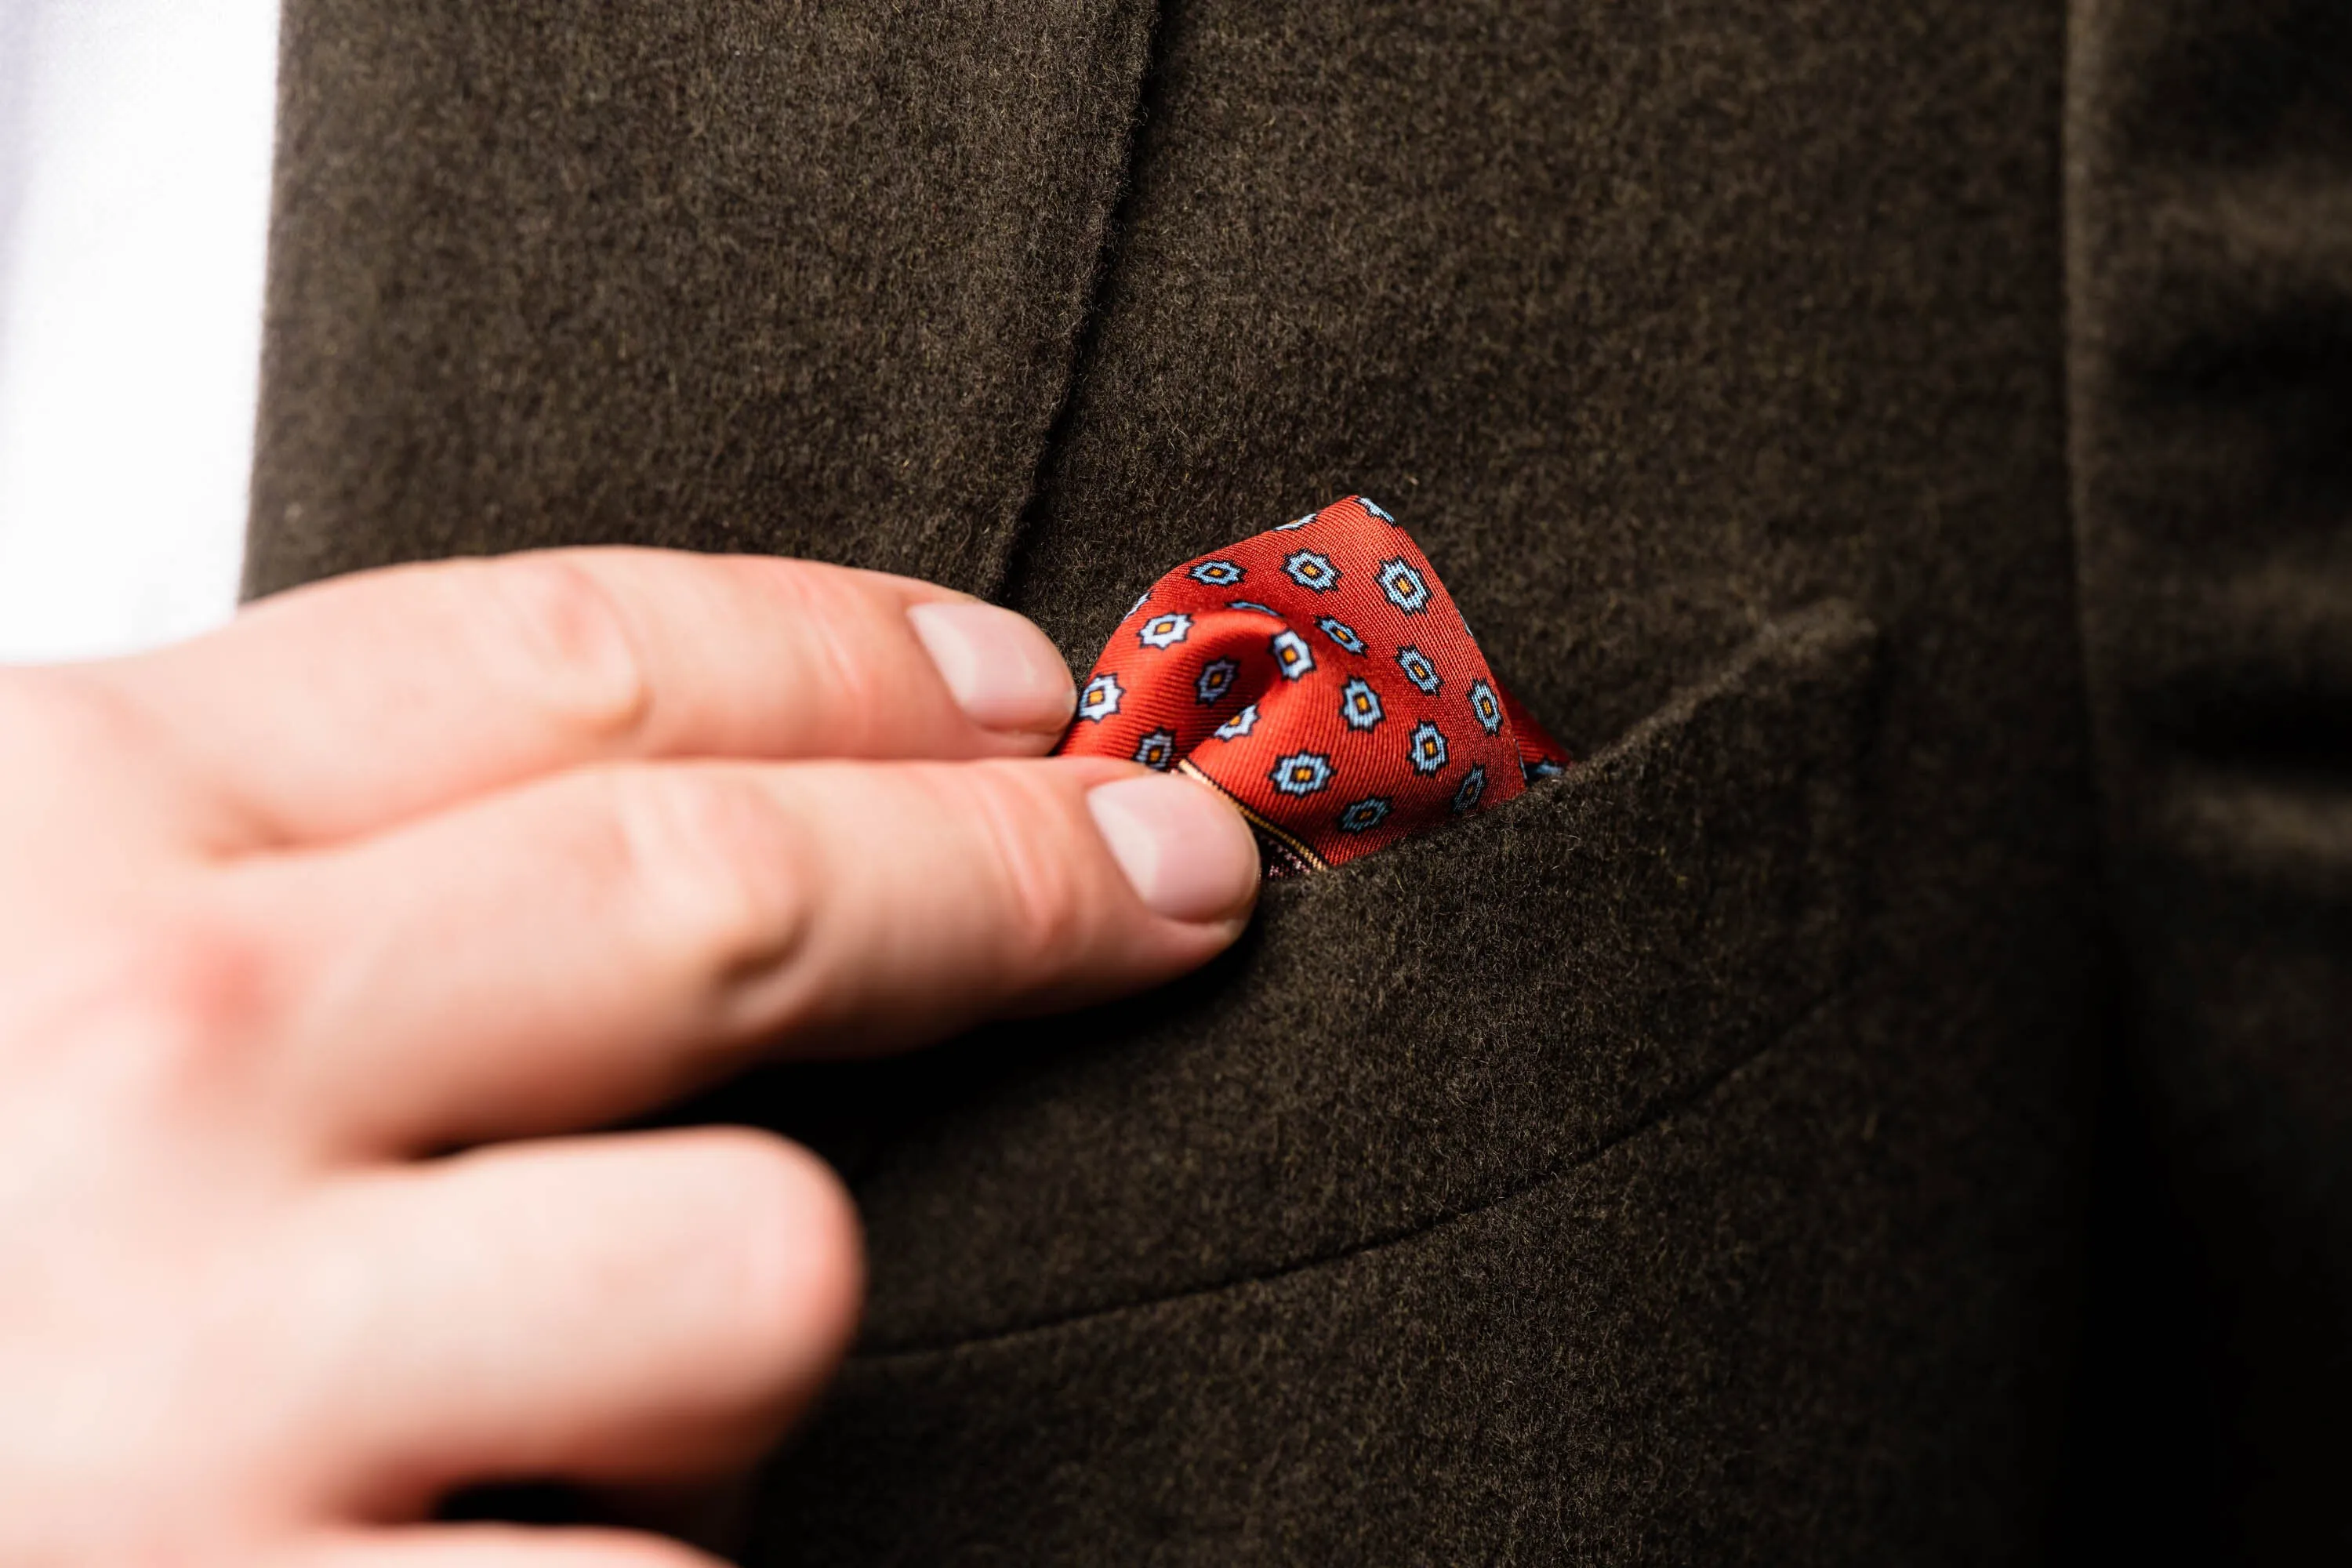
<point>1320,677</point>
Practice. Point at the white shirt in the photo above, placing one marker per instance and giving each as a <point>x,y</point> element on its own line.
<point>135,197</point>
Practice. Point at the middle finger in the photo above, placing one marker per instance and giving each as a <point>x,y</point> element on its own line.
<point>601,942</point>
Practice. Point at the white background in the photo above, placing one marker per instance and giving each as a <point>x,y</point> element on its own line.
<point>135,192</point>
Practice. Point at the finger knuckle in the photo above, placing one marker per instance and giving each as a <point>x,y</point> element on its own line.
<point>187,997</point>
<point>724,867</point>
<point>570,644</point>
<point>835,616</point>
<point>1044,892</point>
<point>63,716</point>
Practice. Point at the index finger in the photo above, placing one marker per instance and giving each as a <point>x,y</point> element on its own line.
<point>342,707</point>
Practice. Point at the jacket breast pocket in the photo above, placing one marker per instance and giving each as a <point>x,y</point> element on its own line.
<point>1397,1042</point>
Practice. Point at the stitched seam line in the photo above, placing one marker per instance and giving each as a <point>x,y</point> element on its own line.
<point>1657,1116</point>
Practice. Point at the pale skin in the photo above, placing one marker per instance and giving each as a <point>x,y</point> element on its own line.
<point>328,940</point>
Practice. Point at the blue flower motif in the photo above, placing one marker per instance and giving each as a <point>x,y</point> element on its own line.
<point>1102,698</point>
<point>1359,705</point>
<point>1218,574</point>
<point>1341,633</point>
<point>1482,704</point>
<point>1141,600</point>
<point>1404,587</point>
<point>1216,679</point>
<point>1253,604</point>
<point>1312,572</point>
<point>1165,631</point>
<point>1292,656</point>
<point>1537,772</point>
<point>1157,750</point>
<point>1301,773</point>
<point>1370,505</point>
<point>1428,753</point>
<point>1418,669</point>
<point>1240,725</point>
<point>1471,791</point>
<point>1364,815</point>
<point>1297,522</point>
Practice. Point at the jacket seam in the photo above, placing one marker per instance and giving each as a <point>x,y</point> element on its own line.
<point>1665,1110</point>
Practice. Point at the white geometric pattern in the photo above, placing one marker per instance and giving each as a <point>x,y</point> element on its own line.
<point>1404,587</point>
<point>1339,631</point>
<point>1473,789</point>
<point>1311,570</point>
<point>1418,669</point>
<point>1482,704</point>
<point>1428,753</point>
<point>1165,631</point>
<point>1102,698</point>
<point>1301,773</point>
<point>1292,656</point>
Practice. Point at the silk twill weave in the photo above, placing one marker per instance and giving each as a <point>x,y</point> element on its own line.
<point>1320,677</point>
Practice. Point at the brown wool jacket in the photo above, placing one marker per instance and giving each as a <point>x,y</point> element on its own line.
<point>1889,1104</point>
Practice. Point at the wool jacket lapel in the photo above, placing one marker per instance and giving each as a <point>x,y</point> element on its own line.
<point>721,274</point>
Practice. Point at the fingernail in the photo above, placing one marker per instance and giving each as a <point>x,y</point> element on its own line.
<point>1189,855</point>
<point>1002,671</point>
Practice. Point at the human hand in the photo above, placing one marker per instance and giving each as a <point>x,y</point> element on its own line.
<point>466,857</point>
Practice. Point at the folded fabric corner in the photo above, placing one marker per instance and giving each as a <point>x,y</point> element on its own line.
<point>1320,677</point>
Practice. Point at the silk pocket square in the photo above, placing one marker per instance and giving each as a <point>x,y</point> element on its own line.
<point>1320,677</point>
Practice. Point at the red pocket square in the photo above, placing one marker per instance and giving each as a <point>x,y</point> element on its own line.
<point>1319,675</point>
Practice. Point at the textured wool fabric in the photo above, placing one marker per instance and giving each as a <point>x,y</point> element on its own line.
<point>1544,983</point>
<point>1344,708</point>
<point>2211,231</point>
<point>1658,323</point>
<point>717,274</point>
<point>1471,1209</point>
<point>1552,1378</point>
